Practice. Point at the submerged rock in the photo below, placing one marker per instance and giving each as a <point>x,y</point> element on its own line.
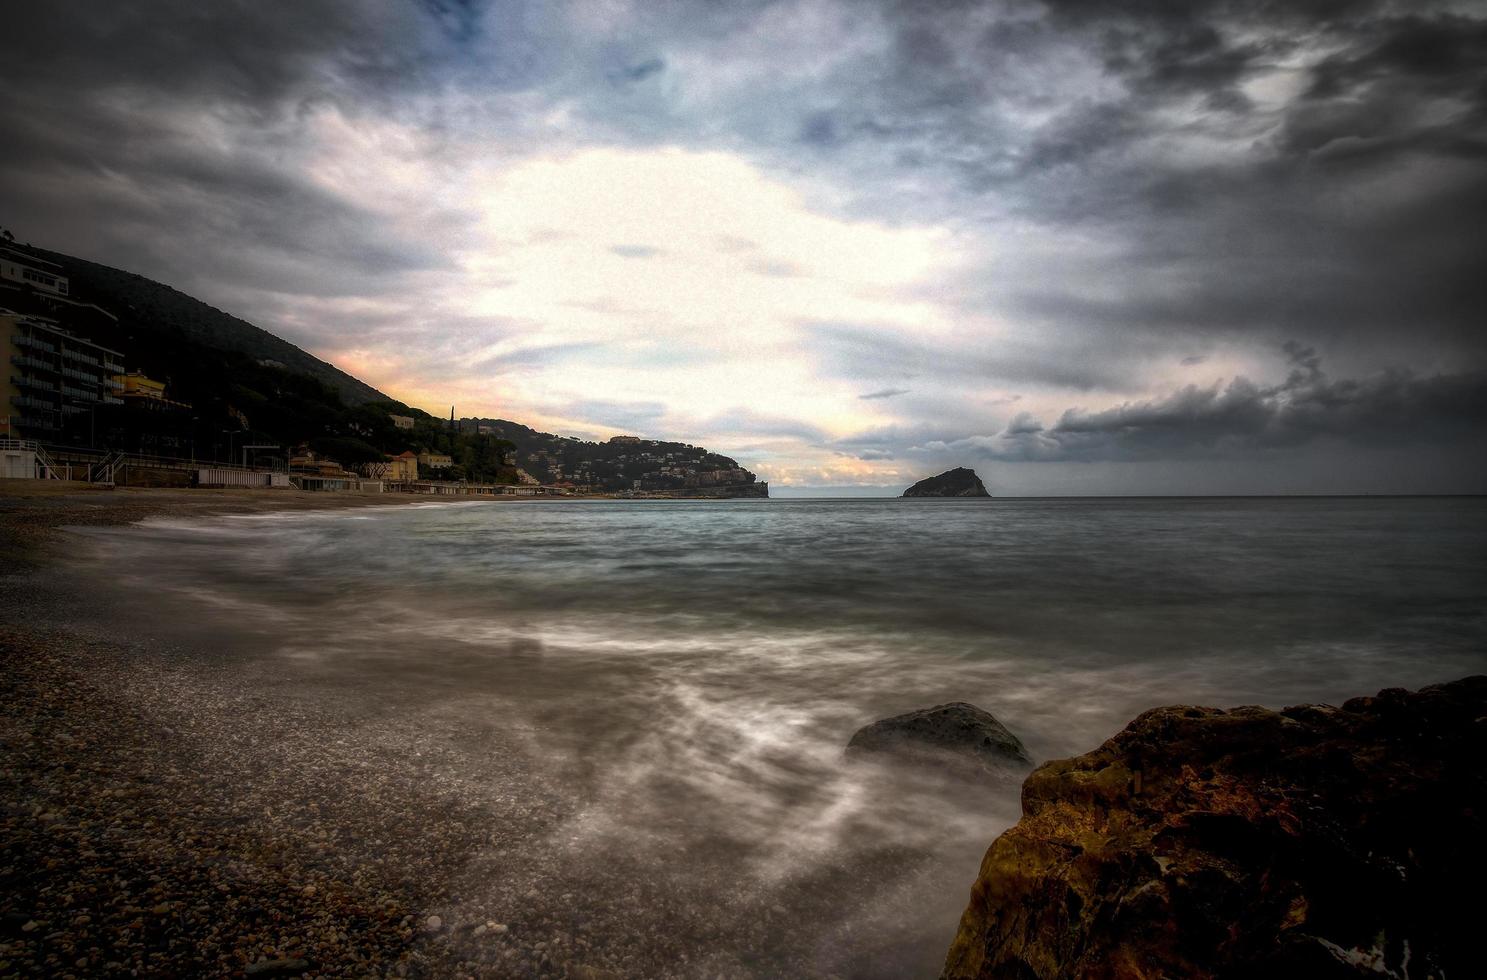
<point>954,731</point>
<point>1315,841</point>
<point>959,482</point>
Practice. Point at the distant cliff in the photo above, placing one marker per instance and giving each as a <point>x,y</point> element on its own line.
<point>1312,842</point>
<point>627,465</point>
<point>959,482</point>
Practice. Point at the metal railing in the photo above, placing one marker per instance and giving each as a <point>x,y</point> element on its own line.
<point>107,470</point>
<point>77,355</point>
<point>49,469</point>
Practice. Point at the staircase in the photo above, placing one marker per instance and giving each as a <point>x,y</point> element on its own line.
<point>49,469</point>
<point>105,471</point>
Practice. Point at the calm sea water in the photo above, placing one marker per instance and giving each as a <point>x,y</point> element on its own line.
<point>688,672</point>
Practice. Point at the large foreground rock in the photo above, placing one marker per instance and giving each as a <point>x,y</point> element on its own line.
<point>1312,842</point>
<point>959,482</point>
<point>955,733</point>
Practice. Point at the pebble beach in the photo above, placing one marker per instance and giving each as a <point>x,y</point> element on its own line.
<point>174,809</point>
<point>149,832</point>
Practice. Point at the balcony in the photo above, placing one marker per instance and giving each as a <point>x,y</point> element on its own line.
<point>35,344</point>
<point>76,375</point>
<point>115,385</point>
<point>26,360</point>
<point>77,355</point>
<point>26,382</point>
<point>26,401</point>
<point>113,368</point>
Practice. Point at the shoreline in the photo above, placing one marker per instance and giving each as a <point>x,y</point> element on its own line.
<point>200,793</point>
<point>179,802</point>
<point>32,511</point>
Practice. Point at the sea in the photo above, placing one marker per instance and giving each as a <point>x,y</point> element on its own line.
<point>677,680</point>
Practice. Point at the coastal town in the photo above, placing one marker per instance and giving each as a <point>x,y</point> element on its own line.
<point>120,381</point>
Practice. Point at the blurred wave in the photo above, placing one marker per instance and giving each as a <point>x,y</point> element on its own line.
<point>687,674</point>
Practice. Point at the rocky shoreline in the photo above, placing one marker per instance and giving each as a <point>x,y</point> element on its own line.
<point>1317,841</point>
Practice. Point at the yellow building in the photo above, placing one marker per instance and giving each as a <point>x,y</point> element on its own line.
<point>136,385</point>
<point>403,466</point>
<point>143,392</point>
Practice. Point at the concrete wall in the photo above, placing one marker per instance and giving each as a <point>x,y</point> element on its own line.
<point>17,464</point>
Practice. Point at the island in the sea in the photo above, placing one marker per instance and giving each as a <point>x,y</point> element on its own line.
<point>959,482</point>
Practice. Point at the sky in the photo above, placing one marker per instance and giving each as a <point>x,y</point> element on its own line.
<point>1145,247</point>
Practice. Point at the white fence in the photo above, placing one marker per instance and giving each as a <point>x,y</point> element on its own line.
<point>240,478</point>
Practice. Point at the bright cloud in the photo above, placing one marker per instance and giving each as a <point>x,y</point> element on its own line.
<point>687,277</point>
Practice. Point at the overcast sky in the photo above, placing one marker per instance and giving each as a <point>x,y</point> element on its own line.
<point>1082,247</point>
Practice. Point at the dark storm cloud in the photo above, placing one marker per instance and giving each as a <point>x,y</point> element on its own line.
<point>638,72</point>
<point>159,132</point>
<point>1240,417</point>
<point>883,393</point>
<point>877,353</point>
<point>1333,205</point>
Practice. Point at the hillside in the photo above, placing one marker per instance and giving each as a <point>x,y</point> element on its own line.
<point>624,463</point>
<point>168,311</point>
<point>232,387</point>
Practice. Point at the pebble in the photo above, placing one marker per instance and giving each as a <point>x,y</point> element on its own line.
<point>281,967</point>
<point>433,923</point>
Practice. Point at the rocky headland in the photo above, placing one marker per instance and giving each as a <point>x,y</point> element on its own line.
<point>959,482</point>
<point>1316,841</point>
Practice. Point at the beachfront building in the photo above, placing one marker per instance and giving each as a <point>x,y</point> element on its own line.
<point>54,379</point>
<point>435,461</point>
<point>403,466</point>
<point>141,391</point>
<point>28,270</point>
